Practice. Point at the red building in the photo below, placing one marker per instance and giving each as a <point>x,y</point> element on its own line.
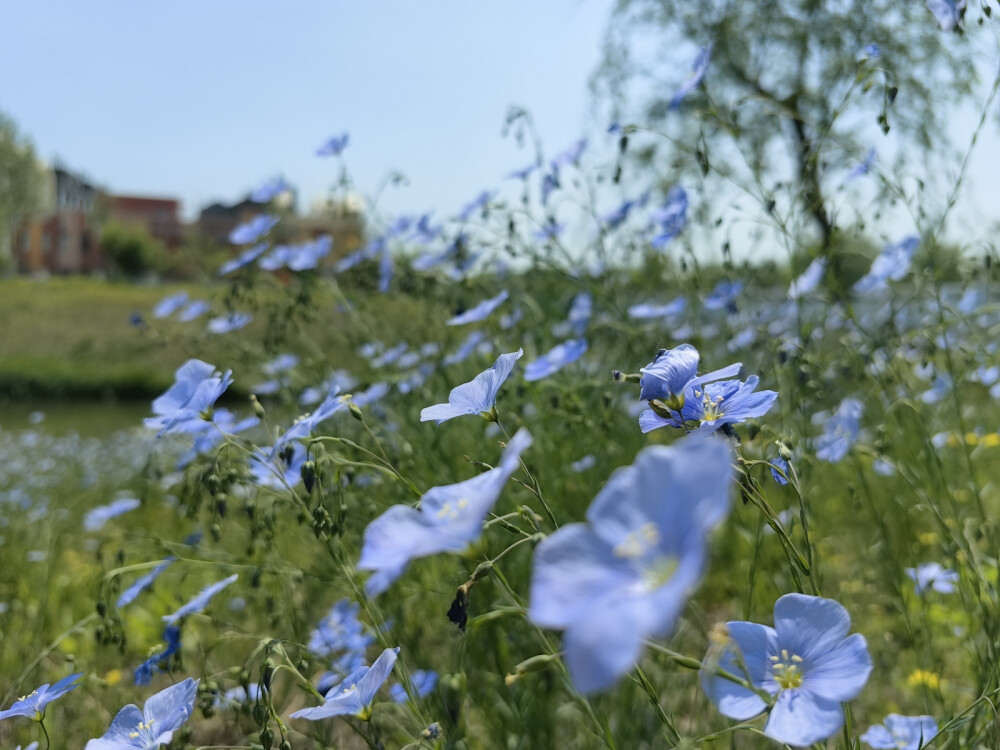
<point>158,216</point>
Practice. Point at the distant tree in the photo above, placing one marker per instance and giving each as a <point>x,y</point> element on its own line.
<point>130,249</point>
<point>790,86</point>
<point>19,181</point>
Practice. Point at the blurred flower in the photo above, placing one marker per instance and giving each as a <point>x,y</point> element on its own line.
<point>933,575</point>
<point>724,295</point>
<point>580,312</point>
<point>466,348</point>
<point>555,359</point>
<point>231,322</point>
<point>197,386</point>
<point>570,156</point>
<point>130,594</point>
<point>671,218</point>
<point>697,73</point>
<point>901,733</point>
<point>476,204</point>
<point>342,635</point>
<point>523,173</point>
<point>307,423</point>
<point>200,601</point>
<point>866,164</point>
<point>449,519</point>
<point>152,727</point>
<point>947,12</point>
<point>33,705</point>
<point>872,51</point>
<point>645,310</point>
<point>335,146</point>
<point>807,662</point>
<point>194,310</point>
<point>840,432</point>
<point>169,305</point>
<point>270,190</point>
<point>807,282</point>
<point>354,696</point>
<point>891,264</point>
<point>97,517</point>
<point>423,683</point>
<point>480,311</point>
<point>478,396</point>
<point>583,464</point>
<point>253,230</point>
<point>144,672</point>
<point>626,575</point>
<point>245,258</point>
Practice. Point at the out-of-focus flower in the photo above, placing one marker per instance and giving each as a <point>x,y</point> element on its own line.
<point>807,282</point>
<point>724,295</point>
<point>947,13</point>
<point>200,601</point>
<point>866,164</point>
<point>194,310</point>
<point>479,203</point>
<point>697,73</point>
<point>169,305</point>
<point>245,258</point>
<point>626,575</point>
<point>231,322</point>
<point>807,662</point>
<point>270,190</point>
<point>142,583</point>
<point>449,519</point>
<point>840,432</point>
<point>481,311</point>
<point>97,517</point>
<point>901,733</point>
<point>423,683</point>
<point>933,575</point>
<point>892,264</point>
<point>555,359</point>
<point>251,231</point>
<point>671,218</point>
<point>335,146</point>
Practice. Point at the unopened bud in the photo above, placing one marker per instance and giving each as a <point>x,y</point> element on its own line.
<point>356,411</point>
<point>258,408</point>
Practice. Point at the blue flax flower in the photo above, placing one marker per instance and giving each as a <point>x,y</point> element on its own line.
<point>197,386</point>
<point>200,601</point>
<point>807,662</point>
<point>555,359</point>
<point>335,146</point>
<point>97,517</point>
<point>234,321</point>
<point>677,397</point>
<point>423,683</point>
<point>697,73</point>
<point>155,725</point>
<point>307,423</point>
<point>671,218</point>
<point>169,305</point>
<point>901,733</point>
<point>354,696</point>
<point>130,594</point>
<point>251,231</point>
<point>840,432</point>
<point>481,311</point>
<point>892,264</point>
<point>646,310</point>
<point>476,204</point>
<point>144,672</point>
<point>866,164</point>
<point>933,575</point>
<point>245,258</point>
<point>341,638</point>
<point>783,465</point>
<point>626,575</point>
<point>724,296</point>
<point>947,13</point>
<point>33,705</point>
<point>807,282</point>
<point>449,519</point>
<point>270,190</point>
<point>478,396</point>
<point>194,310</point>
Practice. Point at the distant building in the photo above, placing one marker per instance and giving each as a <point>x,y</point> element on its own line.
<point>64,234</point>
<point>160,217</point>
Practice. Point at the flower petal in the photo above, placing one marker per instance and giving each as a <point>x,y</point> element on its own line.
<point>800,718</point>
<point>841,672</point>
<point>810,626</point>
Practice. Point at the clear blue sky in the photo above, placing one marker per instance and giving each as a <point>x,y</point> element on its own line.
<point>204,100</point>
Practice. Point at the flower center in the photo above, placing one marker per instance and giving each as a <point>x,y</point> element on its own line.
<point>787,669</point>
<point>712,408</point>
<point>453,511</point>
<point>143,727</point>
<point>638,542</point>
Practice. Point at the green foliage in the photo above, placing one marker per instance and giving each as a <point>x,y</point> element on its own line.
<point>19,176</point>
<point>130,249</point>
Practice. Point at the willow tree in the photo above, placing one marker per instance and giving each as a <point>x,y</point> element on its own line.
<point>793,91</point>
